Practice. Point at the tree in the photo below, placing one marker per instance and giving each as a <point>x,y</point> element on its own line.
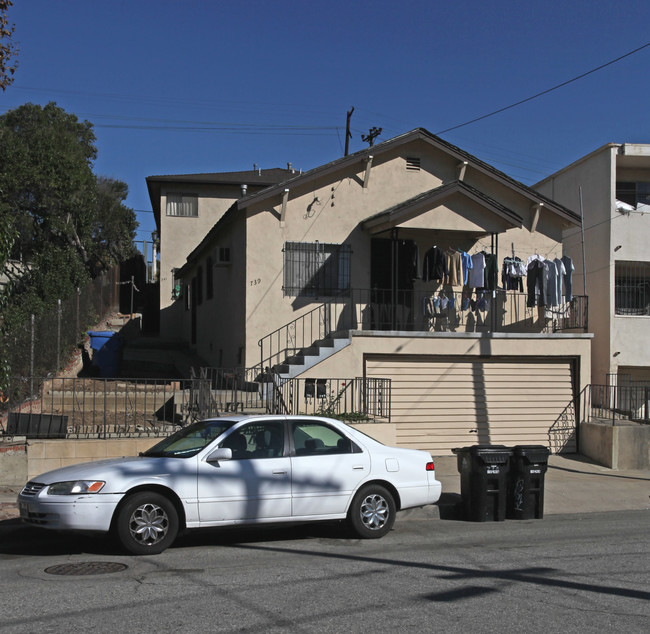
<point>113,227</point>
<point>47,185</point>
<point>8,49</point>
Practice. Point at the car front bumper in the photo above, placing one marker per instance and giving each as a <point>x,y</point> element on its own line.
<point>69,512</point>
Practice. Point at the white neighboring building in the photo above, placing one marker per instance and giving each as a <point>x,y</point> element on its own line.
<point>615,185</point>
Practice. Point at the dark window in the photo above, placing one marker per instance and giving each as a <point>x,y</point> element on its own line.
<point>633,193</point>
<point>186,205</point>
<point>209,279</point>
<point>632,288</point>
<point>222,255</point>
<point>315,269</point>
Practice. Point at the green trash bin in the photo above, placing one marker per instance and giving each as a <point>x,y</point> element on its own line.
<point>528,464</point>
<point>483,481</point>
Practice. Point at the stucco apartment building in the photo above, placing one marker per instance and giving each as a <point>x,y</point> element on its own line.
<point>359,268</point>
<point>614,182</point>
<point>191,204</point>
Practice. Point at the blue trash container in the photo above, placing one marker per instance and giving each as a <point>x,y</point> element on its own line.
<point>107,351</point>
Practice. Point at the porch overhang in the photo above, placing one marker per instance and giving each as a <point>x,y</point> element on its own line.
<point>480,212</point>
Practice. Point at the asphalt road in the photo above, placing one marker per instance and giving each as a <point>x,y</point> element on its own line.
<point>569,573</point>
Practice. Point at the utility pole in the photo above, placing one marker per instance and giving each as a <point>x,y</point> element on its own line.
<point>348,134</point>
<point>373,133</point>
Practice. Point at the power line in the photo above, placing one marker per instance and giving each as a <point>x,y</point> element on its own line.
<point>544,92</point>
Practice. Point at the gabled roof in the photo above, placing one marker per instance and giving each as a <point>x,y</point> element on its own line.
<point>256,178</point>
<point>249,177</point>
<point>278,188</point>
<point>402,211</point>
<point>417,134</point>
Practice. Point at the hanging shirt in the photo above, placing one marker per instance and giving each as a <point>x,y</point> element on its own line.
<point>477,273</point>
<point>550,273</point>
<point>491,272</point>
<point>536,282</point>
<point>568,275</point>
<point>434,265</point>
<point>454,268</point>
<point>467,265</point>
<point>561,272</point>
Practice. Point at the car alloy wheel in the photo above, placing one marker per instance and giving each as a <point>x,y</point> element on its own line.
<point>372,512</point>
<point>149,524</point>
<point>146,523</point>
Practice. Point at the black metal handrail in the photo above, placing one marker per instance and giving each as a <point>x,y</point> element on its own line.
<point>420,311</point>
<point>616,403</point>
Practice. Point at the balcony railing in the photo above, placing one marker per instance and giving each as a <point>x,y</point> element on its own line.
<point>421,311</point>
<point>463,311</point>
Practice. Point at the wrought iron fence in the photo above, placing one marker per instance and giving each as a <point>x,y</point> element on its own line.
<point>107,408</point>
<point>352,400</point>
<point>98,408</point>
<point>615,403</point>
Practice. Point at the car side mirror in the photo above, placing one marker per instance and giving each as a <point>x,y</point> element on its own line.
<point>222,453</point>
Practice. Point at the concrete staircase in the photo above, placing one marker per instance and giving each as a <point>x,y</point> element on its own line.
<point>309,357</point>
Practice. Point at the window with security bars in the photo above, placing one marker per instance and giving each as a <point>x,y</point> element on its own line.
<point>185,205</point>
<point>632,288</point>
<point>316,269</point>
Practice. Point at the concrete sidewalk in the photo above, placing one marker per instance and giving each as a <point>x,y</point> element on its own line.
<point>572,485</point>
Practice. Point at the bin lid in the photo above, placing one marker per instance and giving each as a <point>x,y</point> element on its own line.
<point>490,454</point>
<point>99,338</point>
<point>532,453</point>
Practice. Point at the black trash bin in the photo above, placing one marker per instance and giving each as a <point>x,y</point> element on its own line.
<point>528,465</point>
<point>483,481</point>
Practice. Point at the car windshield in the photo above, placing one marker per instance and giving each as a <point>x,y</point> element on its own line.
<point>188,441</point>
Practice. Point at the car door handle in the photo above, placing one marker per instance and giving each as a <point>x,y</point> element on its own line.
<point>279,472</point>
<point>358,468</point>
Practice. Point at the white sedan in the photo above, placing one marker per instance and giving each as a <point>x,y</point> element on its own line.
<point>236,470</point>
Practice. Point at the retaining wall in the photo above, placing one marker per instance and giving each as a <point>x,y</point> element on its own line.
<point>621,446</point>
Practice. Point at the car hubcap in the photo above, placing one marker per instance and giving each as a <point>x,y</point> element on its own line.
<point>149,524</point>
<point>374,512</point>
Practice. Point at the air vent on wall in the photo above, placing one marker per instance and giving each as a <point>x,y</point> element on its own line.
<point>413,163</point>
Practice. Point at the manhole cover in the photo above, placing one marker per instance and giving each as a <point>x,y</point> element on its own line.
<point>86,568</point>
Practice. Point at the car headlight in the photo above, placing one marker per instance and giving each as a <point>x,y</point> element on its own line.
<point>75,487</point>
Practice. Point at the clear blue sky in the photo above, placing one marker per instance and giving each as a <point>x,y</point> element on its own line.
<point>201,86</point>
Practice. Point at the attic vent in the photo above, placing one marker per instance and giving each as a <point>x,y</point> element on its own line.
<point>413,163</point>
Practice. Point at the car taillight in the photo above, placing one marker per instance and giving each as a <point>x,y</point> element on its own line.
<point>430,466</point>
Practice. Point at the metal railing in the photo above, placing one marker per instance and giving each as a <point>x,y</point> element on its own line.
<point>300,333</point>
<point>616,403</point>
<point>420,311</point>
<point>108,408</point>
<point>352,400</point>
<point>462,311</point>
<point>98,408</point>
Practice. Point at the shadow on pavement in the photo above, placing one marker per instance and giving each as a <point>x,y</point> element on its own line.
<point>18,539</point>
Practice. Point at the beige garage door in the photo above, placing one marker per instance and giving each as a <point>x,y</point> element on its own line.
<point>438,404</point>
